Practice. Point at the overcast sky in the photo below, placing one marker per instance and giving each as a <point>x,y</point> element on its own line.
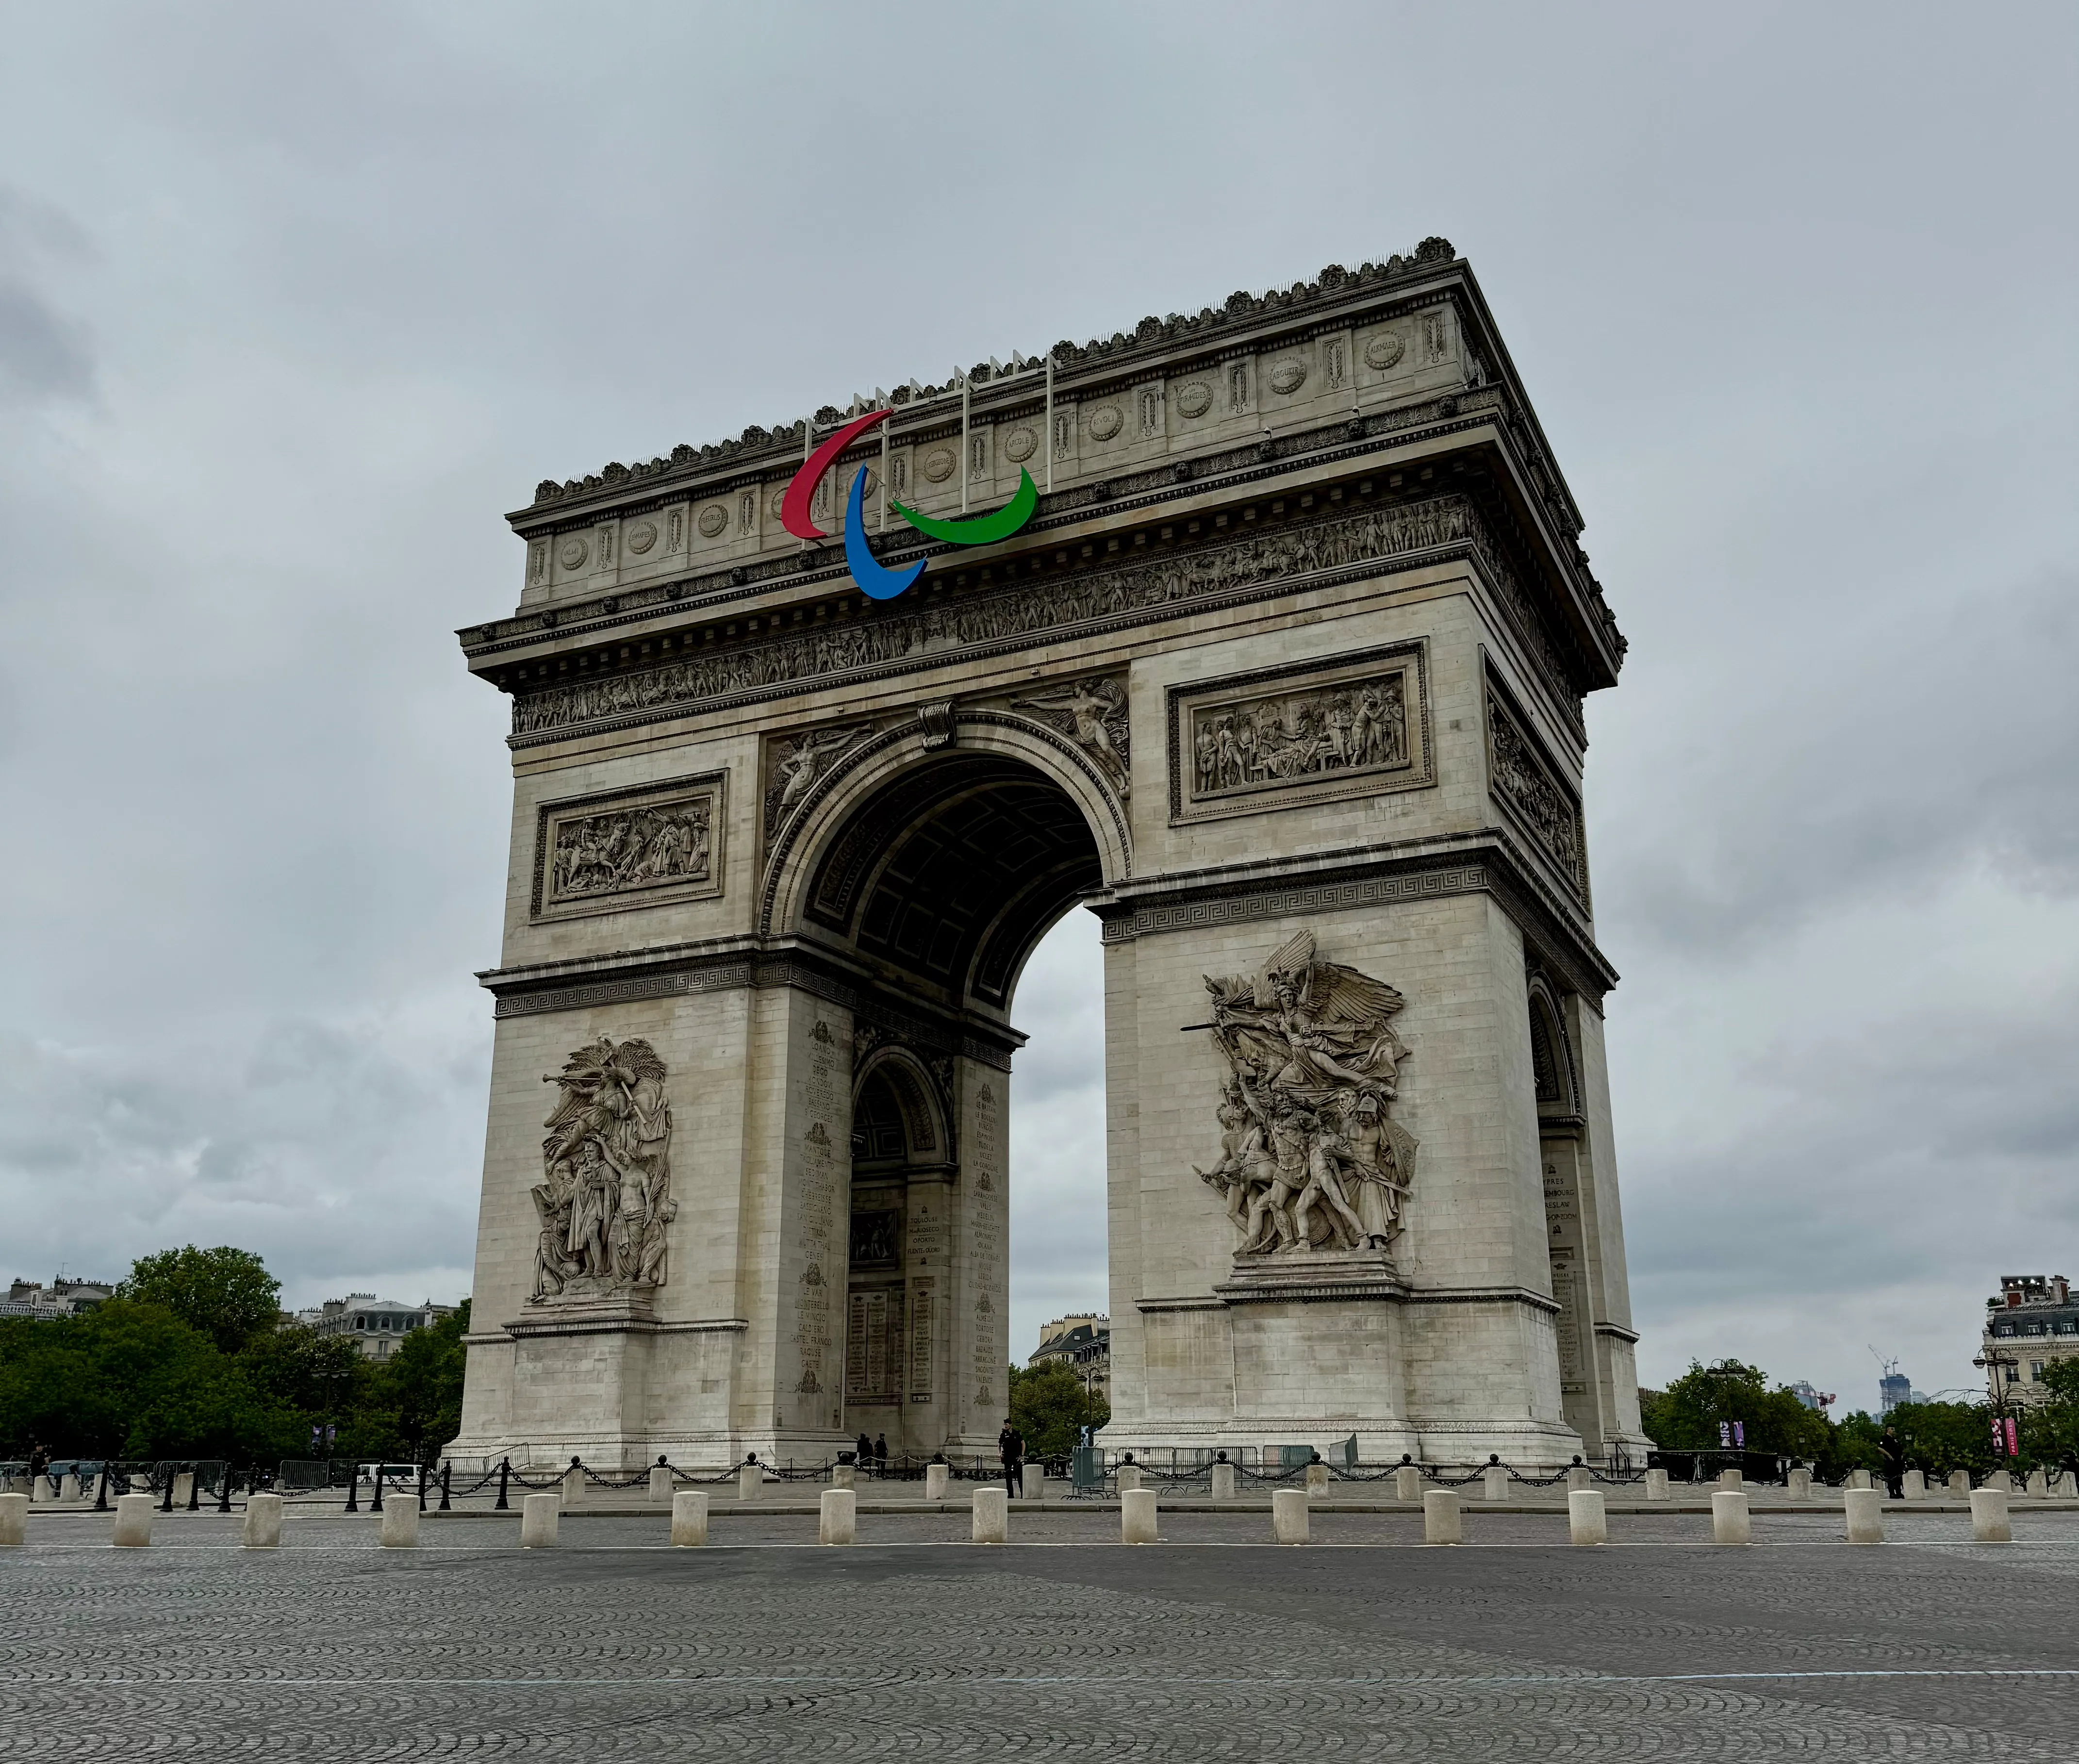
<point>295,301</point>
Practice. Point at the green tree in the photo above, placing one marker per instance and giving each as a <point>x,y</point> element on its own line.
<point>227,1293</point>
<point>2050,1430</point>
<point>1940,1437</point>
<point>419,1385</point>
<point>1685,1416</point>
<point>1050,1406</point>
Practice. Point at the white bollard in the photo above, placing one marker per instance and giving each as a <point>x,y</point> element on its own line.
<point>2039,1485</point>
<point>689,1519</point>
<point>1731,1522</point>
<point>263,1521</point>
<point>1656,1485</point>
<point>1317,1479</point>
<point>839,1520</point>
<point>539,1516</point>
<point>183,1490</point>
<point>14,1519</point>
<point>400,1519</point>
<point>2000,1480</point>
<point>1224,1482</point>
<point>1494,1482</point>
<point>1126,1478</point>
<point>935,1481</point>
<point>574,1486</point>
<point>1865,1510</point>
<point>1137,1516</point>
<point>1731,1479</point>
<point>1408,1483</point>
<point>1036,1482</point>
<point>660,1484</point>
<point>1800,1485</point>
<point>1586,1522</point>
<point>133,1521</point>
<point>991,1509</point>
<point>1578,1476</point>
<point>844,1475</point>
<point>2066,1487</point>
<point>1988,1517</point>
<point>750,1482</point>
<point>1289,1522</point>
<point>1441,1521</point>
<point>1858,1481</point>
<point>1960,1482</point>
<point>1913,1485</point>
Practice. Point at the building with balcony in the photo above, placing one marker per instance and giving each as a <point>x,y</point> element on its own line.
<point>2031,1325</point>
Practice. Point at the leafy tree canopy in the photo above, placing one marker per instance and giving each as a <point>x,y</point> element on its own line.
<point>1685,1416</point>
<point>1050,1406</point>
<point>227,1293</point>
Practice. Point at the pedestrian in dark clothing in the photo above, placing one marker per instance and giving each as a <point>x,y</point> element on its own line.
<point>1011,1443</point>
<point>865,1451</point>
<point>881,1449</point>
<point>1893,1450</point>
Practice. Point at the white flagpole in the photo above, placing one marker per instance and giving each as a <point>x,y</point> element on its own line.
<point>964,443</point>
<point>884,474</point>
<point>1049,428</point>
<point>808,447</point>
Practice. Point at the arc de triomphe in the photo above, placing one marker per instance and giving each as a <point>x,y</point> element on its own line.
<point>1283,679</point>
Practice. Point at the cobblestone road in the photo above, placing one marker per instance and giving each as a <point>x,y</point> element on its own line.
<point>1067,1646</point>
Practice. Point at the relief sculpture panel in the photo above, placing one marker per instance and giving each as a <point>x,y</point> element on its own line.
<point>630,849</point>
<point>1283,737</point>
<point>1528,786</point>
<point>1312,1159</point>
<point>605,1198</point>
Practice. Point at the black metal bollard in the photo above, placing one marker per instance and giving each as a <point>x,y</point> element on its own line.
<point>353,1488</point>
<point>223,1492</point>
<point>375,1505</point>
<point>447,1480</point>
<point>195,1490</point>
<point>166,1505</point>
<point>101,1489</point>
<point>504,1470</point>
<point>422,1485</point>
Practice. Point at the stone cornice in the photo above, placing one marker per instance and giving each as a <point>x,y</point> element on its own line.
<point>1230,568</point>
<point>1489,860</point>
<point>730,965</point>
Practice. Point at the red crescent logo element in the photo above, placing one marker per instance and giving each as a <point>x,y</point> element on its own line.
<point>794,506</point>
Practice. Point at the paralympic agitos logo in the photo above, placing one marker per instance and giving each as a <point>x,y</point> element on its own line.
<point>875,581</point>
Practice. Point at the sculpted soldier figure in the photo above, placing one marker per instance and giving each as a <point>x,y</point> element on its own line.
<point>1312,1159</point>
<point>606,1203</point>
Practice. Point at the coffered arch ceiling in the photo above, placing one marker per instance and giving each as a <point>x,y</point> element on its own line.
<point>952,872</point>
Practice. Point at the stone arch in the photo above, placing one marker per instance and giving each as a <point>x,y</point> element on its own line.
<point>1555,1072</point>
<point>946,847</point>
<point>927,1136</point>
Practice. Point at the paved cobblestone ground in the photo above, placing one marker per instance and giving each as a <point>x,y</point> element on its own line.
<point>1064,1644</point>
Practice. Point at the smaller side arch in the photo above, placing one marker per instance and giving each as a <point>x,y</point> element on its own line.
<point>926,1123</point>
<point>1555,1070</point>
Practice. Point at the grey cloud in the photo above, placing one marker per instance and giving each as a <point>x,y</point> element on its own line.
<point>312,298</point>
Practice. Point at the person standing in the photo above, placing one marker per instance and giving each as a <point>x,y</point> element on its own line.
<point>864,1452</point>
<point>880,1451</point>
<point>1893,1450</point>
<point>1011,1443</point>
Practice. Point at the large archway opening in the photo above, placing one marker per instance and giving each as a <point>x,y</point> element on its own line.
<point>955,884</point>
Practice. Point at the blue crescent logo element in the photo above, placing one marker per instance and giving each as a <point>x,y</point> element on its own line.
<point>874,582</point>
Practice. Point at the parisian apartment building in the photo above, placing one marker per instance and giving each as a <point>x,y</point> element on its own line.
<point>2030,1325</point>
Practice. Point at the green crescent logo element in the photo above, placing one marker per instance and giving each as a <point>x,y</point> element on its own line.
<point>983,529</point>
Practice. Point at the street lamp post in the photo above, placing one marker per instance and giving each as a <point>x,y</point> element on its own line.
<point>1996,1366</point>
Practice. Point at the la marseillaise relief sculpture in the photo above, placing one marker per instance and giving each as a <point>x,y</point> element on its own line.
<point>1263,634</point>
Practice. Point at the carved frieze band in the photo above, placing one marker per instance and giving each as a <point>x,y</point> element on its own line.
<point>1529,785</point>
<point>1313,733</point>
<point>625,849</point>
<point>1345,547</point>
